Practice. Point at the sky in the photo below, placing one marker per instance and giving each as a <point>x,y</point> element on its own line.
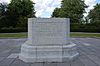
<point>44,8</point>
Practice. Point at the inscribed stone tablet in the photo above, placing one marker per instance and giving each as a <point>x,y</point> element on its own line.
<point>50,31</point>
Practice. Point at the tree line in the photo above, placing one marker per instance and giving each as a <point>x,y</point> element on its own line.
<point>74,9</point>
<point>14,16</point>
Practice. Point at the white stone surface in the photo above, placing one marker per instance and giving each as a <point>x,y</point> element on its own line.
<point>48,41</point>
<point>48,31</point>
<point>48,53</point>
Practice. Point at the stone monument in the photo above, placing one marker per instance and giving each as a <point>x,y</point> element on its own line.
<point>48,41</point>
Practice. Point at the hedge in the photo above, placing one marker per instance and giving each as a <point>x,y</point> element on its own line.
<point>76,27</point>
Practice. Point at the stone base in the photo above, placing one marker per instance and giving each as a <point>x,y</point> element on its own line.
<point>50,53</point>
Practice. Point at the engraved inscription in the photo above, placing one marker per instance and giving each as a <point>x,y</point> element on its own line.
<point>48,29</point>
<point>53,31</point>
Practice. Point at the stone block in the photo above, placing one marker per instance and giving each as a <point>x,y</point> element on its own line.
<point>48,41</point>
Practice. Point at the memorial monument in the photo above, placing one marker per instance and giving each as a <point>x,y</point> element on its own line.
<point>48,41</point>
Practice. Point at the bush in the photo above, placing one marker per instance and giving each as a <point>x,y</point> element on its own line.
<point>76,27</point>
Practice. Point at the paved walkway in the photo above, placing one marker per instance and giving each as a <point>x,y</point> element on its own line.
<point>89,49</point>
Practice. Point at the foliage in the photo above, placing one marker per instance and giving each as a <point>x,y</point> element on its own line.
<point>56,12</point>
<point>72,9</point>
<point>94,14</point>
<point>20,10</point>
<point>22,22</point>
<point>3,7</point>
<point>89,27</point>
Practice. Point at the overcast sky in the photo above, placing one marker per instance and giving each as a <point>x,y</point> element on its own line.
<point>44,8</point>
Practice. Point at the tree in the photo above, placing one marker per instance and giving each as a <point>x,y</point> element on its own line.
<point>94,14</point>
<point>72,9</point>
<point>3,7</point>
<point>3,20</point>
<point>18,11</point>
<point>56,12</point>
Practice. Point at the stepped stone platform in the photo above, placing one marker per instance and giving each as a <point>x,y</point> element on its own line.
<point>48,41</point>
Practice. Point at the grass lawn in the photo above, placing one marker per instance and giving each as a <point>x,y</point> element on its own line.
<point>13,35</point>
<point>84,35</point>
<point>24,35</point>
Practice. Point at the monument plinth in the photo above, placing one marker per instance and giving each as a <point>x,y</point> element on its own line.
<point>48,41</point>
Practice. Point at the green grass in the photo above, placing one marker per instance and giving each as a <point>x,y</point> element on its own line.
<point>12,35</point>
<point>24,35</point>
<point>84,35</point>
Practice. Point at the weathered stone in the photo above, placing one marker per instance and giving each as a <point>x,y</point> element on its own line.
<point>48,41</point>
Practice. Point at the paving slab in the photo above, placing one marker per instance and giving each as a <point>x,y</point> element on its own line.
<point>50,64</point>
<point>63,64</point>
<point>37,64</point>
<point>77,63</point>
<point>14,55</point>
<point>1,58</point>
<point>6,62</point>
<point>87,62</point>
<point>15,50</point>
<point>18,62</point>
<point>89,49</point>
